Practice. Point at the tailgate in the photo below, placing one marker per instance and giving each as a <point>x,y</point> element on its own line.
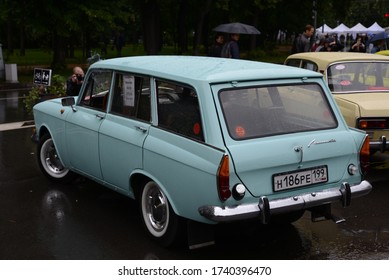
<point>285,137</point>
<point>278,163</point>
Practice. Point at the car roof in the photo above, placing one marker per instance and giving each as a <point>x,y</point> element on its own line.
<point>330,57</point>
<point>201,68</point>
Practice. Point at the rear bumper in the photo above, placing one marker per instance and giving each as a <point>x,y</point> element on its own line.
<point>267,207</point>
<point>379,145</point>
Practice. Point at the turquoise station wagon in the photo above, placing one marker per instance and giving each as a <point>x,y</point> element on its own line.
<point>199,141</point>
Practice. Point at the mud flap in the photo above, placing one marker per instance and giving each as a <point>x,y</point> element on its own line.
<point>322,213</point>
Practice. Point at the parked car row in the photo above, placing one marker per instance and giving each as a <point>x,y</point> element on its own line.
<point>199,141</point>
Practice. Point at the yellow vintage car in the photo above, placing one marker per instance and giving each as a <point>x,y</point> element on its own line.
<point>360,85</point>
<point>384,52</point>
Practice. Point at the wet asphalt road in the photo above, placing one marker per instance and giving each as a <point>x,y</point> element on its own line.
<point>41,220</point>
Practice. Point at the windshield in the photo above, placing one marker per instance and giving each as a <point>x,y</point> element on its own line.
<point>276,109</point>
<point>358,76</point>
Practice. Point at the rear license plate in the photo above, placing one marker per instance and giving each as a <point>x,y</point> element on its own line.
<point>301,178</point>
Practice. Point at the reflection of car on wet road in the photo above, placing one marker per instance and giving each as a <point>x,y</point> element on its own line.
<point>360,84</point>
<point>234,140</point>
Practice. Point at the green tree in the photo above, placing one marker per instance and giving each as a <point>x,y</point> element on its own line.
<point>61,26</point>
<point>366,11</point>
<point>151,26</point>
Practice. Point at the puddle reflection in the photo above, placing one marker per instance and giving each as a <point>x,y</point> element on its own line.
<point>12,106</point>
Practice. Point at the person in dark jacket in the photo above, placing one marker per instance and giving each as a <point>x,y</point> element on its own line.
<point>74,82</point>
<point>358,45</point>
<point>302,43</point>
<point>231,48</point>
<point>216,48</point>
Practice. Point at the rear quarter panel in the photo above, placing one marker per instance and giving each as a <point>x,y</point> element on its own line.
<point>185,169</point>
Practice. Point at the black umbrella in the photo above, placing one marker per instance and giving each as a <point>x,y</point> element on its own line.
<point>380,36</point>
<point>237,28</point>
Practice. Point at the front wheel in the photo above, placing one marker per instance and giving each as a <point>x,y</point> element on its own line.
<point>49,162</point>
<point>162,224</point>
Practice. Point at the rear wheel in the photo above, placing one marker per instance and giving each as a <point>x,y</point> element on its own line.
<point>162,224</point>
<point>49,162</point>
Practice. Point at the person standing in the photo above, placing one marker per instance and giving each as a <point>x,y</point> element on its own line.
<point>358,46</point>
<point>216,48</point>
<point>119,43</point>
<point>231,48</point>
<point>302,42</point>
<point>74,82</point>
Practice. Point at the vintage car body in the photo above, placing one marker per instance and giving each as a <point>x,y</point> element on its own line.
<point>384,52</point>
<point>202,140</point>
<point>360,85</point>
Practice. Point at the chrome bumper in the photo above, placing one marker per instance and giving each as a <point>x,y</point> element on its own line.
<point>379,145</point>
<point>267,207</point>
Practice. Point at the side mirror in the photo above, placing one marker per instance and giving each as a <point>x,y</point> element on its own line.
<point>68,101</point>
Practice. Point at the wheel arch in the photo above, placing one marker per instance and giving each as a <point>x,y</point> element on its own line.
<point>138,180</point>
<point>42,131</point>
<point>59,142</point>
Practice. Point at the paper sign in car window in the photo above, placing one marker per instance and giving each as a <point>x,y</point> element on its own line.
<point>129,90</point>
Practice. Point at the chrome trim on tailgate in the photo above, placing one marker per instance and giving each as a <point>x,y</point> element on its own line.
<point>284,205</point>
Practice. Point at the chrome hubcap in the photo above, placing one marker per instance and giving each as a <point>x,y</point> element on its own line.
<point>155,209</point>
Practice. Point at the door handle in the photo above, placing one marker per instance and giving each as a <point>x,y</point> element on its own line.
<point>100,116</point>
<point>140,128</point>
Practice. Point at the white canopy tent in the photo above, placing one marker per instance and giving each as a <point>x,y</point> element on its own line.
<point>341,28</point>
<point>375,28</point>
<point>324,29</point>
<point>358,28</point>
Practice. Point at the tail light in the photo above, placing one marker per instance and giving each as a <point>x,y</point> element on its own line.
<point>372,124</point>
<point>223,179</point>
<point>364,155</point>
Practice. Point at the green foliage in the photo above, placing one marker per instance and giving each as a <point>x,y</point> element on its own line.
<point>40,93</point>
<point>272,56</point>
<point>70,25</point>
<point>367,12</point>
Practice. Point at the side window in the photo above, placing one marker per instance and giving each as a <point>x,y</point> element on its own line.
<point>178,110</point>
<point>131,97</point>
<point>293,62</point>
<point>96,92</point>
<point>309,65</point>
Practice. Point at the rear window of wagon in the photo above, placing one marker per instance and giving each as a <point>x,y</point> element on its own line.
<point>277,109</point>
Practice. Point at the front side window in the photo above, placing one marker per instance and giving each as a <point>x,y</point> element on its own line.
<point>358,76</point>
<point>271,110</point>
<point>178,110</point>
<point>96,91</point>
<point>131,97</point>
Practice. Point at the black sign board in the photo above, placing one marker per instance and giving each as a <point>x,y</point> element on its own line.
<point>42,76</point>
